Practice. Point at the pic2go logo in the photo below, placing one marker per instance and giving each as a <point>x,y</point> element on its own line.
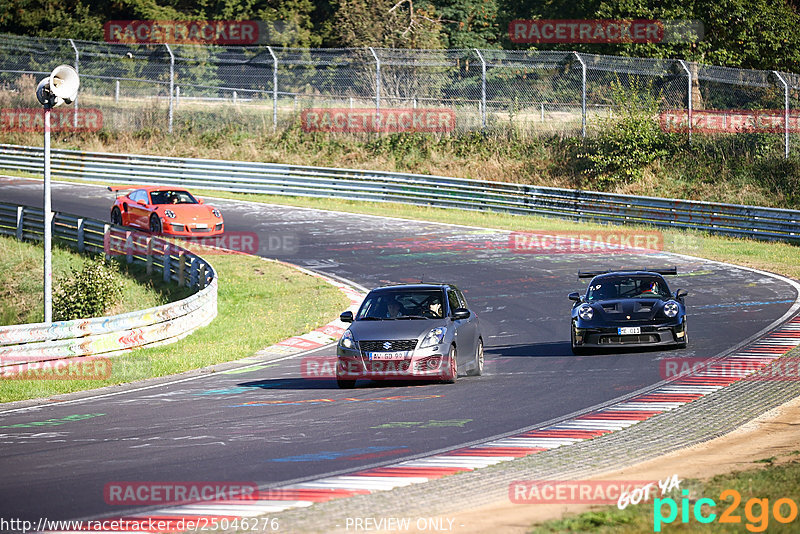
<point>756,511</point>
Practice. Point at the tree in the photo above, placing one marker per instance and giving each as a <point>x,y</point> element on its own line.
<point>387,23</point>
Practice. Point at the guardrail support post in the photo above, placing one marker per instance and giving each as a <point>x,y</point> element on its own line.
<point>785,85</point>
<point>483,89</point>
<point>20,221</point>
<point>583,93</point>
<point>377,88</point>
<point>685,67</point>
<point>274,89</point>
<point>193,272</point>
<point>171,83</point>
<point>181,268</point>
<point>81,234</point>
<point>202,278</point>
<point>149,260</point>
<point>129,246</point>
<point>107,241</point>
<point>166,272</point>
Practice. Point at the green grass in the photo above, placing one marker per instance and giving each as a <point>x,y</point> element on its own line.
<point>22,293</point>
<point>772,482</point>
<point>260,303</point>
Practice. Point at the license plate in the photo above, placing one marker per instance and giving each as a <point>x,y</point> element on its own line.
<point>628,330</point>
<point>388,356</point>
<point>201,226</point>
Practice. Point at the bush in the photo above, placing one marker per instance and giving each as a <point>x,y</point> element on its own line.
<point>627,144</point>
<point>89,292</point>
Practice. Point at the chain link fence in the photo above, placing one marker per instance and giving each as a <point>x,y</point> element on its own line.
<point>189,87</point>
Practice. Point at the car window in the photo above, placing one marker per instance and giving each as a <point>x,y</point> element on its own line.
<point>172,196</point>
<point>398,304</point>
<point>453,300</point>
<point>138,195</point>
<point>627,287</point>
<point>461,299</point>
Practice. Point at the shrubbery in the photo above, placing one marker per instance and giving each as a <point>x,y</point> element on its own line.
<point>89,292</point>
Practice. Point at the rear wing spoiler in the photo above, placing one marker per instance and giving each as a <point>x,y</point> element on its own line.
<point>117,188</point>
<point>661,270</point>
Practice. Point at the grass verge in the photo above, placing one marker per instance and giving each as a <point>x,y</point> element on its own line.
<point>775,479</point>
<point>21,291</point>
<point>259,303</point>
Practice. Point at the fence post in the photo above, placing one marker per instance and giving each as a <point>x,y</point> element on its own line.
<point>782,81</point>
<point>20,221</point>
<point>583,93</point>
<point>171,83</point>
<point>483,89</point>
<point>377,88</point>
<point>116,91</point>
<point>274,89</point>
<point>81,234</point>
<point>77,70</point>
<point>685,67</point>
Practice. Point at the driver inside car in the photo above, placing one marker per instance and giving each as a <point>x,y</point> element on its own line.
<point>393,309</point>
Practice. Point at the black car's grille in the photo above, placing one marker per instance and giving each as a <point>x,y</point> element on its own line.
<point>622,340</point>
<point>390,345</point>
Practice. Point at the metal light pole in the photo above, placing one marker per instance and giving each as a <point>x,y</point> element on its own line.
<point>61,87</point>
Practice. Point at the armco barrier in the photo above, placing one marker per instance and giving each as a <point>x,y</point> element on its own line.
<point>27,343</point>
<point>439,191</point>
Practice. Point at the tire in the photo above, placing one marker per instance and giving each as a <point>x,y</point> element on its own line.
<point>478,370</point>
<point>155,225</point>
<point>683,344</point>
<point>450,375</point>
<point>116,217</point>
<point>577,351</point>
<point>345,383</point>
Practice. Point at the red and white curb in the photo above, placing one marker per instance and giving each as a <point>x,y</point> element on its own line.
<point>629,412</point>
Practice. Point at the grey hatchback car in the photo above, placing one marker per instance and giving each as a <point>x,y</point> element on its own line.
<point>423,331</point>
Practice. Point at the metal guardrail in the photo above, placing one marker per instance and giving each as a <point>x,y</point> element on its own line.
<point>27,343</point>
<point>439,191</point>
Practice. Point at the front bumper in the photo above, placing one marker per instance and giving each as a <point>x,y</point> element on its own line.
<point>427,363</point>
<point>650,336</point>
<point>191,230</point>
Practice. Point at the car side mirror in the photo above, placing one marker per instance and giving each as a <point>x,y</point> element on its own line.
<point>679,294</point>
<point>574,296</point>
<point>141,202</point>
<point>346,317</point>
<point>200,201</point>
<point>461,313</point>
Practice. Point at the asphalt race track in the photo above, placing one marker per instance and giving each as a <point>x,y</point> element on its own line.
<point>271,426</point>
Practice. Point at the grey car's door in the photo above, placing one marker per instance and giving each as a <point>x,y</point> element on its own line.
<point>464,334</point>
<point>471,325</point>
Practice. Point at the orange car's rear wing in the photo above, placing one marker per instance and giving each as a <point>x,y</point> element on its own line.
<point>117,188</point>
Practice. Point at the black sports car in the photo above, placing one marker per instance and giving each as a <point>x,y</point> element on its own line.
<point>627,309</point>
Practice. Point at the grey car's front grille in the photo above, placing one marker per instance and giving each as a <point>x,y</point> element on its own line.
<point>389,345</point>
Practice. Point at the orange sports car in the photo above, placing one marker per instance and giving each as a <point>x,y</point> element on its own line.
<point>165,210</point>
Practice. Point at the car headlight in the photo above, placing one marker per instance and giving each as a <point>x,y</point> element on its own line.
<point>347,340</point>
<point>434,337</point>
<point>169,213</point>
<point>585,312</point>
<point>217,213</point>
<point>671,308</point>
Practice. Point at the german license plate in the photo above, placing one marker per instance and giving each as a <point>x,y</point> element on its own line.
<point>201,226</point>
<point>388,356</point>
<point>629,330</point>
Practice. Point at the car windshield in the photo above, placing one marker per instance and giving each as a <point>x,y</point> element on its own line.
<point>625,287</point>
<point>402,304</point>
<point>172,197</point>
